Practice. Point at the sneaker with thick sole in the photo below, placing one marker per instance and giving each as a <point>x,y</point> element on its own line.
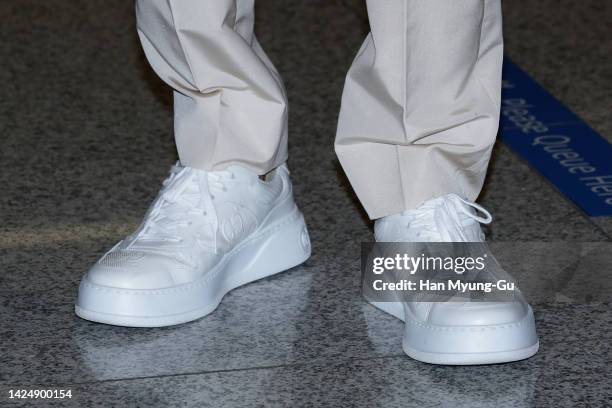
<point>205,234</point>
<point>455,332</point>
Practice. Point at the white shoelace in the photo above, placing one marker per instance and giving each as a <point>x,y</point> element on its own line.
<point>439,220</point>
<point>184,202</point>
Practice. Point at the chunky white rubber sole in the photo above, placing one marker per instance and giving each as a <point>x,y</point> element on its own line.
<point>465,345</point>
<point>268,251</point>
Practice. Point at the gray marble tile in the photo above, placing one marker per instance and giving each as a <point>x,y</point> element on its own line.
<point>566,373</point>
<point>314,313</point>
<point>604,224</point>
<point>87,139</point>
<point>559,272</point>
<point>526,207</point>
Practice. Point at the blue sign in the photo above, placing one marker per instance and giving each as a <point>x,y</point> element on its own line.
<point>567,151</point>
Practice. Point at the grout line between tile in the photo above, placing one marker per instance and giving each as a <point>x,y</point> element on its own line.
<point>204,372</point>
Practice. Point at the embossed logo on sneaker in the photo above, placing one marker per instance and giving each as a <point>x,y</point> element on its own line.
<point>238,223</point>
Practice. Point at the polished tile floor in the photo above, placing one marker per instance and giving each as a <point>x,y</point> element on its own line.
<point>86,141</point>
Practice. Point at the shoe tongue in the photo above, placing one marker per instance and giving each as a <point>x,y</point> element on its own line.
<point>185,187</point>
<point>242,172</point>
<point>447,217</point>
<point>191,194</point>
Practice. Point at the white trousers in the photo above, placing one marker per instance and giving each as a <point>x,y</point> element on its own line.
<point>420,108</point>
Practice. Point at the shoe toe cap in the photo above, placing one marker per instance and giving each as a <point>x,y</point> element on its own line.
<point>134,271</point>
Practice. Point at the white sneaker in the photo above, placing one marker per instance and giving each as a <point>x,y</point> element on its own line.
<point>459,333</point>
<point>206,234</point>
